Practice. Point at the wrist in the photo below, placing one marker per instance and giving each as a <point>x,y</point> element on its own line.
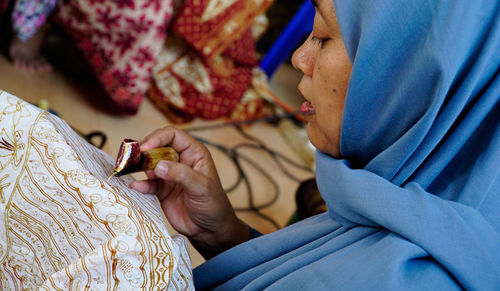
<point>212,243</point>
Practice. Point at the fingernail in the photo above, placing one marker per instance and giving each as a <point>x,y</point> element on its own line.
<point>161,169</point>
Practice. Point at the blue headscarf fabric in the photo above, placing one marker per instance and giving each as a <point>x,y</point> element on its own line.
<point>415,203</point>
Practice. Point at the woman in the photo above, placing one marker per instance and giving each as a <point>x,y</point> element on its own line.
<point>403,103</point>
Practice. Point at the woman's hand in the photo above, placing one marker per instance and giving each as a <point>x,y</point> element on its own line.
<point>191,194</point>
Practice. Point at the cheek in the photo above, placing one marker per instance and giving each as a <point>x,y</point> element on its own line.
<point>329,122</point>
<point>329,86</point>
<point>329,118</point>
<point>323,139</point>
<point>329,103</point>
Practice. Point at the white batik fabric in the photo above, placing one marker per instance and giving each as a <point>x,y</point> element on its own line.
<point>63,226</point>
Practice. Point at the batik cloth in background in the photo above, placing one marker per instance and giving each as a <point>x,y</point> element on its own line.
<point>121,41</point>
<point>29,16</point>
<point>63,226</point>
<point>207,66</point>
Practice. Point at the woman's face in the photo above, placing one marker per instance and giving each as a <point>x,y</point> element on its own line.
<point>326,69</point>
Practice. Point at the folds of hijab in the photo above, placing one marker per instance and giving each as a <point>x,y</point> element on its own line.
<point>415,202</point>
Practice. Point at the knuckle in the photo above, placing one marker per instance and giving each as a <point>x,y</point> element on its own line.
<point>181,174</point>
<point>169,128</point>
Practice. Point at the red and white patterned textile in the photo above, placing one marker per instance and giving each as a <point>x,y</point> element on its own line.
<point>121,40</point>
<point>207,67</point>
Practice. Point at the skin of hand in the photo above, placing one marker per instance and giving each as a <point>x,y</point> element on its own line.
<point>191,194</point>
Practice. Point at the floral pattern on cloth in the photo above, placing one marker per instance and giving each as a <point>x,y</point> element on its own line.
<point>121,41</point>
<point>206,68</point>
<point>29,15</point>
<point>64,226</point>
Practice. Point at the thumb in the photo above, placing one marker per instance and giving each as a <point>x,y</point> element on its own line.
<point>194,183</point>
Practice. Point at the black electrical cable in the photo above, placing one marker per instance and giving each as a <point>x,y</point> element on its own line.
<point>235,155</point>
<point>276,156</point>
<point>256,208</point>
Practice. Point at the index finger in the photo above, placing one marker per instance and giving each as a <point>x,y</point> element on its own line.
<point>189,149</point>
<point>168,136</point>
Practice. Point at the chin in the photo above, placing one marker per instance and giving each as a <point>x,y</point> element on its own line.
<point>322,143</point>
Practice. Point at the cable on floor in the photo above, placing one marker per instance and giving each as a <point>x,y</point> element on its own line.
<point>237,157</point>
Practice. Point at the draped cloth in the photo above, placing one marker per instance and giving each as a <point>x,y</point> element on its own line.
<point>413,204</point>
<point>208,66</point>
<point>121,41</point>
<point>64,226</point>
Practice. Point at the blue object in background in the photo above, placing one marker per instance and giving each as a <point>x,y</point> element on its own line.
<point>300,26</point>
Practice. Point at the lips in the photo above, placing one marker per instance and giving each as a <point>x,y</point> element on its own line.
<point>307,108</point>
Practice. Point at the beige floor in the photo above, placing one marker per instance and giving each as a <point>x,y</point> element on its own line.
<point>68,98</point>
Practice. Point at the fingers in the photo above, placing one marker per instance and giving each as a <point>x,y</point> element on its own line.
<point>157,187</point>
<point>169,174</point>
<point>146,186</point>
<point>178,139</point>
<point>193,182</point>
<point>191,151</point>
<point>151,174</point>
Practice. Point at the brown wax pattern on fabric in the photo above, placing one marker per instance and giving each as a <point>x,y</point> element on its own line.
<point>64,227</point>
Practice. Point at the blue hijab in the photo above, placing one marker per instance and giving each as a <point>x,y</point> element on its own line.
<point>415,203</point>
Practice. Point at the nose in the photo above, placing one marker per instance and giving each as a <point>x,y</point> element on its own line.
<point>302,58</point>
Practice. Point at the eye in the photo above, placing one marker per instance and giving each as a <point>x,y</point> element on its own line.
<point>317,40</point>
